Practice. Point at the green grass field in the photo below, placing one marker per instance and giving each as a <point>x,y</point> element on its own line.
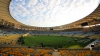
<point>55,41</point>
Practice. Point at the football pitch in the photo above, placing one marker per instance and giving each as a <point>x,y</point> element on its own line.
<point>56,41</point>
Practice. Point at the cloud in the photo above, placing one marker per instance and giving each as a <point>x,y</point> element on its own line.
<point>47,13</point>
<point>99,1</point>
<point>23,2</point>
<point>23,11</point>
<point>31,3</point>
<point>15,0</point>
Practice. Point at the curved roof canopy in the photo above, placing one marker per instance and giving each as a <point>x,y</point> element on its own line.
<point>6,17</point>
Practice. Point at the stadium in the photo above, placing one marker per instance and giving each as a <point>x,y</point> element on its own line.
<point>78,38</point>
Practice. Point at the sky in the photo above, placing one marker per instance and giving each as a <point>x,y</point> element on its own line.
<point>51,13</point>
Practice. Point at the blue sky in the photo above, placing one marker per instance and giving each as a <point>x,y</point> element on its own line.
<point>49,13</point>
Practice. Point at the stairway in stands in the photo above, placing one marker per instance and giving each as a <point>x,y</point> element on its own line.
<point>56,53</point>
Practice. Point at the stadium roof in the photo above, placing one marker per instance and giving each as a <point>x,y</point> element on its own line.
<point>5,16</point>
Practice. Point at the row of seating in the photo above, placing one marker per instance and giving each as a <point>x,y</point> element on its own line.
<point>24,51</point>
<point>8,31</point>
<point>11,39</point>
<point>79,52</point>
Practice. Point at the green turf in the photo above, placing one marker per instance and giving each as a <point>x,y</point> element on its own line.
<point>55,41</point>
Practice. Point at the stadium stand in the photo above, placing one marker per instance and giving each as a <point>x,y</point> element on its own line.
<point>24,51</point>
<point>11,31</point>
<point>79,52</point>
